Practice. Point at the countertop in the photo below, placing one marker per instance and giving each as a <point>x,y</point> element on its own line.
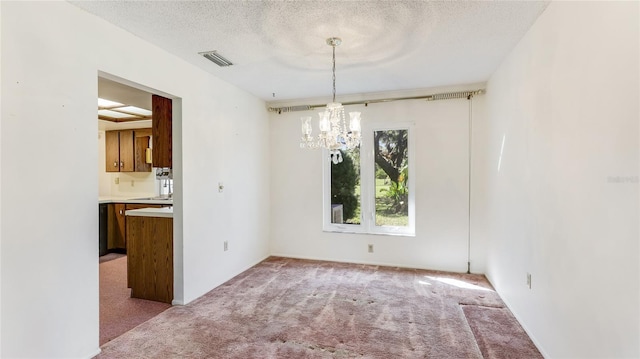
<point>164,212</point>
<point>143,200</point>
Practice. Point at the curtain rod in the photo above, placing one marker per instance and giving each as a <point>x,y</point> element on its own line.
<point>432,97</point>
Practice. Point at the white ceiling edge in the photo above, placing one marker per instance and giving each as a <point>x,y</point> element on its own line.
<point>377,95</point>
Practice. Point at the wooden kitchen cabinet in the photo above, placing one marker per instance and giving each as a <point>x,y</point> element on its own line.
<point>116,223</point>
<point>126,152</point>
<point>161,120</point>
<point>150,258</point>
<point>141,144</point>
<point>130,206</point>
<point>112,151</point>
<point>116,226</point>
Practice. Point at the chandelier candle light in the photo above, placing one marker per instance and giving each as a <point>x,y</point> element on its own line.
<point>334,134</point>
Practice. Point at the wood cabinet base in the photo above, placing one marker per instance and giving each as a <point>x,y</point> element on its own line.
<point>115,227</point>
<point>150,258</point>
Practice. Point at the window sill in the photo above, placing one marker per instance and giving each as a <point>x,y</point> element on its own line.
<point>390,234</point>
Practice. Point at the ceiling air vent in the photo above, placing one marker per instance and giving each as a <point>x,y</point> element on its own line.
<point>216,58</point>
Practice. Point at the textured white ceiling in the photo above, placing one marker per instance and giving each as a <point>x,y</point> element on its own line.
<point>278,47</point>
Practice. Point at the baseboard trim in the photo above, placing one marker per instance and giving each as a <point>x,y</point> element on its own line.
<point>226,280</point>
<point>95,353</point>
<point>373,263</point>
<point>252,265</point>
<point>529,333</point>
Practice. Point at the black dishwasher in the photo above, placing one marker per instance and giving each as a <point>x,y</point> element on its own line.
<point>102,230</point>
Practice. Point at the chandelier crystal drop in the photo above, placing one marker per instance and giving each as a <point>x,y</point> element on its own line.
<point>334,134</point>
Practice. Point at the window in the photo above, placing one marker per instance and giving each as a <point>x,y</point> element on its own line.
<point>371,191</point>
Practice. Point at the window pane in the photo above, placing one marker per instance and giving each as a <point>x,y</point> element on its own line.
<point>345,188</point>
<point>391,176</point>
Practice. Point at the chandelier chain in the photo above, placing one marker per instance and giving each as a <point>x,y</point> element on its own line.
<point>334,73</point>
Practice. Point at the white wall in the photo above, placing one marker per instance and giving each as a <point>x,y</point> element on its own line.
<point>441,167</point>
<point>1,181</point>
<point>49,263</point>
<point>566,102</point>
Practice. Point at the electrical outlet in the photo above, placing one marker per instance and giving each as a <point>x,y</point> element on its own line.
<point>370,248</point>
<point>117,180</point>
<point>529,280</point>
<point>220,187</point>
<point>226,246</point>
<point>132,182</point>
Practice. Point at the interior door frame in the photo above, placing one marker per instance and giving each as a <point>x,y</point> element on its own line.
<point>176,128</point>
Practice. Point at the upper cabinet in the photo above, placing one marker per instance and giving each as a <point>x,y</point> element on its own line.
<point>142,150</point>
<point>126,151</point>
<point>161,127</point>
<point>112,151</point>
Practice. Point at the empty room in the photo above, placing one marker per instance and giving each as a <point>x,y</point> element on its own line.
<point>322,179</point>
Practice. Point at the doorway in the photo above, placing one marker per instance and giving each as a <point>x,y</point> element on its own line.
<point>131,118</point>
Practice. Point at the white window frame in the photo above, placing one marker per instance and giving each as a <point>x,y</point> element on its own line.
<point>367,186</point>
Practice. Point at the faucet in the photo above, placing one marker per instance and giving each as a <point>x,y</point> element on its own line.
<point>168,184</point>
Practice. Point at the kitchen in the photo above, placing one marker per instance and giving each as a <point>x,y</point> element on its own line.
<point>136,186</point>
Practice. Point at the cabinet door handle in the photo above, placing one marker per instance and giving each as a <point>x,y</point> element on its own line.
<point>121,211</point>
<point>121,164</point>
<point>115,164</point>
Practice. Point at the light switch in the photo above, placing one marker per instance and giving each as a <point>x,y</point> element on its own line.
<point>220,187</point>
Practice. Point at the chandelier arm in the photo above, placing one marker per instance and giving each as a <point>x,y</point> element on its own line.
<point>334,134</point>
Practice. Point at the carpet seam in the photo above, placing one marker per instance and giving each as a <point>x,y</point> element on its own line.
<point>475,339</point>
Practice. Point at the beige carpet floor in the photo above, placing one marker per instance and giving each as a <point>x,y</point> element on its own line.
<point>119,312</point>
<point>289,308</point>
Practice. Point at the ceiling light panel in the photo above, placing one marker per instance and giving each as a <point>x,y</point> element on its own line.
<point>216,58</point>
<point>114,114</point>
<point>134,110</point>
<point>108,103</point>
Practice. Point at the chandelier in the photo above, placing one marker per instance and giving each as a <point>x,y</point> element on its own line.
<point>334,134</point>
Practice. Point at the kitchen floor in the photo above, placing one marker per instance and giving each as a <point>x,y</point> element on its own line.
<point>119,312</point>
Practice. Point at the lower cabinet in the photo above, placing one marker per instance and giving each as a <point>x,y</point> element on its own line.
<point>102,228</point>
<point>116,224</point>
<point>116,227</point>
<point>150,258</point>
